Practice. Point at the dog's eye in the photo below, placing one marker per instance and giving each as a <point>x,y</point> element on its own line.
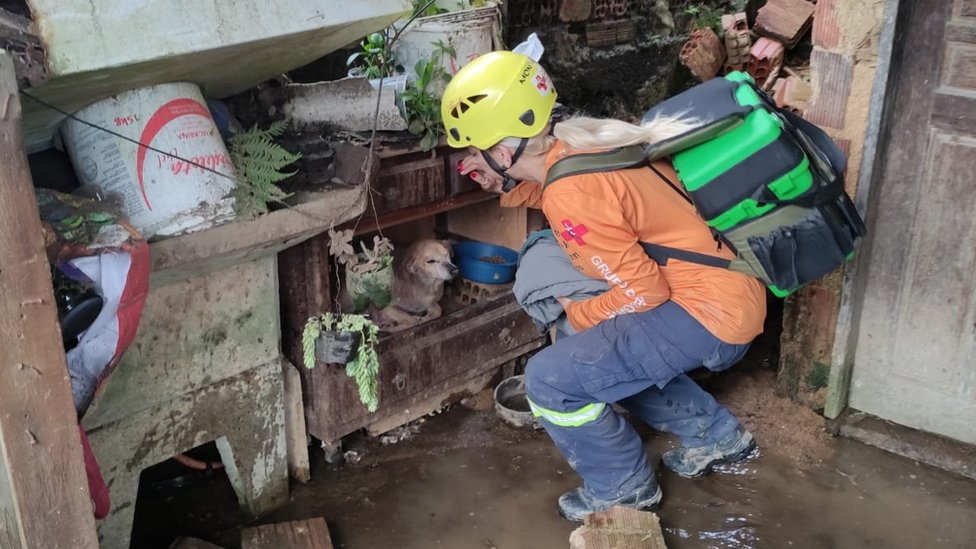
<point>431,261</point>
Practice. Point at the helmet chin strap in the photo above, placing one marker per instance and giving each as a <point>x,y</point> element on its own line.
<point>508,183</point>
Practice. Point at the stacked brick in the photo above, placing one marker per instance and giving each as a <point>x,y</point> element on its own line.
<point>738,41</point>
<point>781,24</point>
<point>832,69</point>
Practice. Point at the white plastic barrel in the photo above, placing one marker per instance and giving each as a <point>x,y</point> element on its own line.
<point>162,195</point>
<point>470,32</point>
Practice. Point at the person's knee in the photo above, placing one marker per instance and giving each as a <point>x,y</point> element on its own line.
<point>540,372</point>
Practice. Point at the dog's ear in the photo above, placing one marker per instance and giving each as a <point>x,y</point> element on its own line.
<point>449,244</point>
<point>413,264</point>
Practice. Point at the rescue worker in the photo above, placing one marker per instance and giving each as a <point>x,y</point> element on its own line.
<point>636,342</point>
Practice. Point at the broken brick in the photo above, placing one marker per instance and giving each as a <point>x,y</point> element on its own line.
<point>784,20</point>
<point>826,26</point>
<point>792,93</point>
<point>575,10</point>
<point>765,60</point>
<point>832,74</point>
<point>703,54</point>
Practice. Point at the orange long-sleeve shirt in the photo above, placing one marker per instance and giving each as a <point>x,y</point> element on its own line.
<point>600,218</point>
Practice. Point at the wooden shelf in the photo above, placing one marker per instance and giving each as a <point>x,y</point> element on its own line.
<point>369,223</point>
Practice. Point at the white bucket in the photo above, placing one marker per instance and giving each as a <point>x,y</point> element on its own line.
<point>471,32</point>
<point>161,195</point>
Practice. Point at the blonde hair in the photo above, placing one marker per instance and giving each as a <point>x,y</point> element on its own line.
<point>582,132</point>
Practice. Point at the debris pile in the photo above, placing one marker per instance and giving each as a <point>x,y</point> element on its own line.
<point>762,50</point>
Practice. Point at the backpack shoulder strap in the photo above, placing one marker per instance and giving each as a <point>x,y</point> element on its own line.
<point>620,158</point>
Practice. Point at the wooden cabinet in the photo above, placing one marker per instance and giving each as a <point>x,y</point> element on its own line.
<point>424,368</point>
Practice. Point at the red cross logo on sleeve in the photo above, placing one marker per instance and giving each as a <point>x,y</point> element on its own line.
<point>574,232</point>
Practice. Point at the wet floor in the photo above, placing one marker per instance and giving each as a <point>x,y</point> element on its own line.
<point>467,481</point>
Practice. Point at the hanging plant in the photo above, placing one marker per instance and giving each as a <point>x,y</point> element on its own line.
<point>258,161</point>
<point>363,363</point>
<point>369,272</point>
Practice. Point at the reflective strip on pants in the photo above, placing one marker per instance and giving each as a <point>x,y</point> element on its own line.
<point>584,415</point>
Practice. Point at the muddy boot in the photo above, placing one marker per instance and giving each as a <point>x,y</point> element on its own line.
<point>577,503</point>
<point>697,462</point>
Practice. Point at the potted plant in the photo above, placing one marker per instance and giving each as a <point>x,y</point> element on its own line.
<point>468,27</point>
<point>349,339</point>
<point>422,106</point>
<point>369,272</point>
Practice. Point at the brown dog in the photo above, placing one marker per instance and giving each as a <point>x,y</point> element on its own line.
<point>418,285</point>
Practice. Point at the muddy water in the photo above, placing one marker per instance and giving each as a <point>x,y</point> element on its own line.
<point>504,497</point>
<point>468,481</point>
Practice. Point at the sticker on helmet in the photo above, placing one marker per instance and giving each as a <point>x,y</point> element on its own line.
<point>542,83</point>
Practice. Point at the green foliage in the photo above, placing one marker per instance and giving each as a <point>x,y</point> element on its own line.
<point>421,9</point>
<point>258,161</point>
<point>374,61</point>
<point>423,106</point>
<point>705,16</point>
<point>365,367</point>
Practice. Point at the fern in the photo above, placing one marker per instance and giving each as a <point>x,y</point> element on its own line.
<point>365,367</point>
<point>259,161</point>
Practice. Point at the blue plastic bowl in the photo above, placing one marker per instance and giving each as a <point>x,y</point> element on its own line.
<point>469,259</point>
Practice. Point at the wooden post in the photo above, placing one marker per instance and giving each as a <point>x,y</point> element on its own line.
<point>44,499</point>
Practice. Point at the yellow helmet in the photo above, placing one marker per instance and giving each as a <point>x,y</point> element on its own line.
<point>497,95</point>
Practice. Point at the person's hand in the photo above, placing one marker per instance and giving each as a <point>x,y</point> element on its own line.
<point>474,166</point>
<point>564,301</point>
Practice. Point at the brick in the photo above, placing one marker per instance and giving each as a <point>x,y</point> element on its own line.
<point>826,27</point>
<point>737,46</point>
<point>735,22</point>
<point>792,93</point>
<point>575,10</point>
<point>703,54</point>
<point>784,20</point>
<point>832,74</point>
<point>765,60</point>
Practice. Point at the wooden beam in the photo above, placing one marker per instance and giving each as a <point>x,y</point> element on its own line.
<point>44,499</point>
<point>370,223</point>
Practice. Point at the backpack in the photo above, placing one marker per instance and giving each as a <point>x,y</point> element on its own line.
<point>768,183</point>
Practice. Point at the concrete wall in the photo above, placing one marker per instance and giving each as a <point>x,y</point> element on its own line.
<point>846,38</point>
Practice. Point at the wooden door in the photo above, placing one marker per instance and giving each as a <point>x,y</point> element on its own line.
<point>915,360</point>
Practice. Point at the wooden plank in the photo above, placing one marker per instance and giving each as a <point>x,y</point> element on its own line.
<point>619,528</point>
<point>419,363</point>
<point>409,184</point>
<point>310,533</point>
<point>369,223</point>
<point>490,222</point>
<point>41,460</point>
<point>295,434</point>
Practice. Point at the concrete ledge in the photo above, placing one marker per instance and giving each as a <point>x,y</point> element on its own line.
<point>927,448</point>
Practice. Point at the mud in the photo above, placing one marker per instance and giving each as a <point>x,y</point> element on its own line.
<point>465,480</point>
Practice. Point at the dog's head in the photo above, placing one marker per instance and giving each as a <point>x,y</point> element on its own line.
<point>431,259</point>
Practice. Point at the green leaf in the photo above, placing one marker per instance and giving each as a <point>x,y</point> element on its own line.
<point>429,141</point>
<point>416,127</point>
